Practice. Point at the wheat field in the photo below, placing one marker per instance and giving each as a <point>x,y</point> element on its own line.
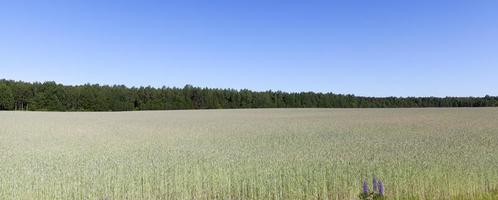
<point>249,154</point>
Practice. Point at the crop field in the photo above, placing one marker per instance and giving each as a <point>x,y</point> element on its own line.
<point>249,154</point>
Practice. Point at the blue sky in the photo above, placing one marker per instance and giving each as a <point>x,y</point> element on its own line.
<point>370,48</point>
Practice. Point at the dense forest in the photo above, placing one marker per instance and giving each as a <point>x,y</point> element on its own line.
<point>50,96</point>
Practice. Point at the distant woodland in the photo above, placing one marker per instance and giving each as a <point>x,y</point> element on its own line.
<point>50,96</point>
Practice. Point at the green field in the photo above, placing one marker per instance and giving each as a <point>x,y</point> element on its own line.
<point>249,154</point>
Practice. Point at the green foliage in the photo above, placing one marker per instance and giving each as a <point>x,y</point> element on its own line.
<point>16,95</point>
<point>6,97</point>
<point>371,196</point>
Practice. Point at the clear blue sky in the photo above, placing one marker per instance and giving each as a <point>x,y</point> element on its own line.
<point>372,48</point>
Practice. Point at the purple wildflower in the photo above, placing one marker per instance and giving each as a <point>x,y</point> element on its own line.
<point>375,184</point>
<point>365,186</point>
<point>381,188</point>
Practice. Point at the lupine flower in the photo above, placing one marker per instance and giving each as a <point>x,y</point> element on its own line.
<point>381,188</point>
<point>375,184</point>
<point>365,186</point>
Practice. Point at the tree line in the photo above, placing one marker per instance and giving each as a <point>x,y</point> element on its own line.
<point>51,96</point>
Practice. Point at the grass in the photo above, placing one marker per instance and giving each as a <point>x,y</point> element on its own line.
<point>249,154</point>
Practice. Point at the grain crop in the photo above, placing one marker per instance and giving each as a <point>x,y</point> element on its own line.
<point>431,153</point>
